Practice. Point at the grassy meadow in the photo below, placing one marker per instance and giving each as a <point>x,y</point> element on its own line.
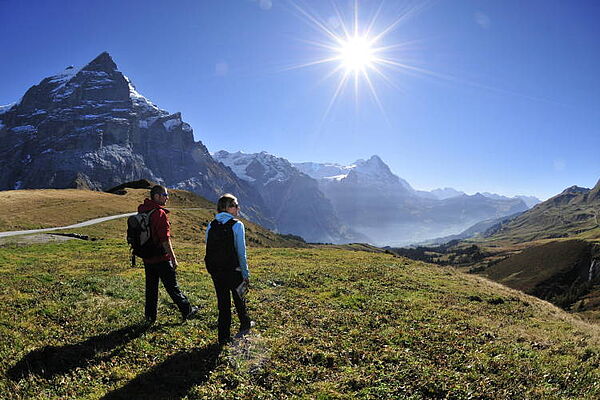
<point>331,323</point>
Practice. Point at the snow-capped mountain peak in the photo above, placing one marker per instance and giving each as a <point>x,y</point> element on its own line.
<point>372,171</point>
<point>260,167</point>
<point>365,172</point>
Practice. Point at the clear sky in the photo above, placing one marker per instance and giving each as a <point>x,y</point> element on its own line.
<point>497,96</point>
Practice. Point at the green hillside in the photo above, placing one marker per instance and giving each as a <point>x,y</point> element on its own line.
<point>330,324</point>
<point>571,214</point>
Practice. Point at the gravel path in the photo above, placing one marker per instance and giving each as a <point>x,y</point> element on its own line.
<point>79,225</point>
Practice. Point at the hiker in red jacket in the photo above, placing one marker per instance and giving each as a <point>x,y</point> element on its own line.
<point>162,267</point>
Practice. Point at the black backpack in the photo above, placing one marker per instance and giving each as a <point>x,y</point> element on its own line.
<point>139,236</point>
<point>220,248</point>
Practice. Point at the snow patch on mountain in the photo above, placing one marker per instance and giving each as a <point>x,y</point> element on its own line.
<point>238,162</point>
<point>66,75</point>
<point>171,124</point>
<point>64,87</point>
<point>375,171</point>
<point>24,129</point>
<point>140,101</point>
<point>7,107</point>
<point>446,193</point>
<point>330,171</point>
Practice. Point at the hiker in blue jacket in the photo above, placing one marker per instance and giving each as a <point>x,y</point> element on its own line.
<point>226,262</point>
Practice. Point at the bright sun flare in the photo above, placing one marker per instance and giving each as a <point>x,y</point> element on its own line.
<point>353,47</point>
<point>356,54</point>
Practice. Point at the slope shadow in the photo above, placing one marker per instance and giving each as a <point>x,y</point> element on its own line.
<point>49,361</point>
<point>173,378</point>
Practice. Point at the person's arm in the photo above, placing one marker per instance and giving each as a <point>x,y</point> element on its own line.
<point>163,232</point>
<point>169,249</point>
<point>239,238</point>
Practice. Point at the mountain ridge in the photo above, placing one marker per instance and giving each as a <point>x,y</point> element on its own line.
<point>570,213</point>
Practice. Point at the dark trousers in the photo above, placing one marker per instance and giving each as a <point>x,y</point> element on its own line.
<point>225,284</point>
<point>163,271</point>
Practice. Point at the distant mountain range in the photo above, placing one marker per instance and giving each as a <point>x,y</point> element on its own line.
<point>370,200</point>
<point>571,213</point>
<point>332,171</point>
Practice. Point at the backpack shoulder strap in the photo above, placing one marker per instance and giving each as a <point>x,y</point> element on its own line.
<point>149,213</point>
<point>231,222</point>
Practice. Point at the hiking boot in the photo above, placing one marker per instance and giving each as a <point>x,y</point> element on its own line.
<point>245,330</point>
<point>191,314</point>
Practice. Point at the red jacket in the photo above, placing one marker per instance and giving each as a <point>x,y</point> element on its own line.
<point>160,227</point>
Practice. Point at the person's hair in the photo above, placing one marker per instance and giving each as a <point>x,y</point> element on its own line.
<point>226,201</point>
<point>157,189</point>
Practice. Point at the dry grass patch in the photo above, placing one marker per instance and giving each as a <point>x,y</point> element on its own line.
<point>45,208</point>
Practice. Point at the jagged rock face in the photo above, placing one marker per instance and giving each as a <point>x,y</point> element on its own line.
<point>292,198</point>
<point>89,127</point>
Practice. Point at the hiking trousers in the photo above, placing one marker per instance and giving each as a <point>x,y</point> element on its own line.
<point>225,284</point>
<point>164,272</point>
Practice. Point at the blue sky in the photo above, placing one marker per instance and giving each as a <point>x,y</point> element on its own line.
<point>506,100</point>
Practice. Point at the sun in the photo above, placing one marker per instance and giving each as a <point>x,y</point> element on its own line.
<point>357,54</point>
<point>355,49</point>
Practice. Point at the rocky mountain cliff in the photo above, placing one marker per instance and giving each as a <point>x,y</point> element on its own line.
<point>293,198</point>
<point>89,128</point>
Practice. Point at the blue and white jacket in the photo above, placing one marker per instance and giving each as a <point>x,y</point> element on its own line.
<point>239,240</point>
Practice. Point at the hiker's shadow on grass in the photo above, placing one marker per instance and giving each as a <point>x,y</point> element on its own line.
<point>49,361</point>
<point>173,378</point>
